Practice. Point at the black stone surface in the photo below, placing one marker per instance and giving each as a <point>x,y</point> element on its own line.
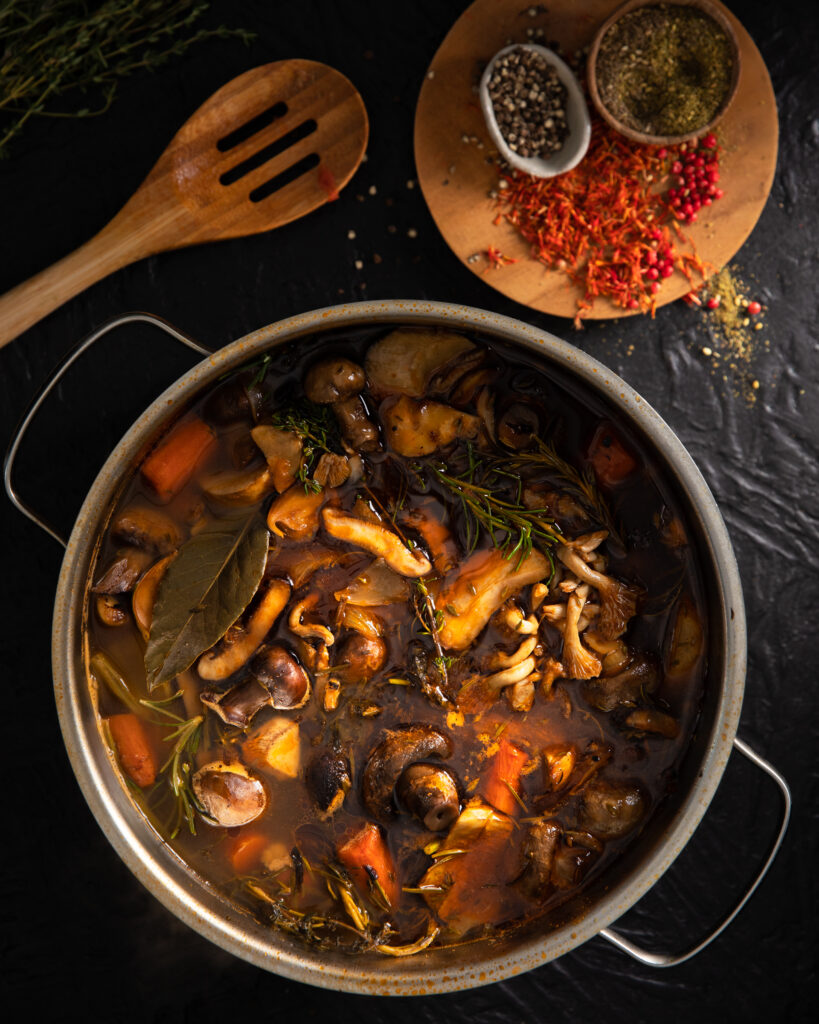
<point>81,939</point>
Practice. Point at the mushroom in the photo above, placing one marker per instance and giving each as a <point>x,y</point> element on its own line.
<point>378,540</point>
<point>618,602</point>
<point>611,809</point>
<point>538,852</point>
<point>615,653</point>
<point>359,658</point>
<point>283,451</point>
<point>518,425</point>
<point>309,630</point>
<point>238,645</point>
<point>482,584</point>
<point>338,382</point>
<point>285,679</point>
<point>109,610</point>
<point>570,865</point>
<point>578,662</point>
<point>123,573</point>
<point>146,528</point>
<point>144,596</point>
<point>229,794</point>
<point>419,426</point>
<point>436,536</point>
<point>399,748</point>
<point>362,621</point>
<point>239,704</point>
<point>430,793</point>
<point>328,780</point>
<point>295,514</point>
<point>374,586</point>
<point>406,360</point>
<point>500,659</point>
<point>238,487</point>
<point>651,720</point>
<point>334,470</point>
<point>686,644</point>
<point>640,677</point>
<point>229,403</point>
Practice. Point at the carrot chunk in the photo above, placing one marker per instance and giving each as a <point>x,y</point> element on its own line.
<point>245,851</point>
<point>169,466</point>
<point>504,777</point>
<point>365,849</point>
<point>611,460</point>
<point>136,752</point>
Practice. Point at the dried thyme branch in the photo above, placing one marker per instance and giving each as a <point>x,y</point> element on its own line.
<point>51,50</point>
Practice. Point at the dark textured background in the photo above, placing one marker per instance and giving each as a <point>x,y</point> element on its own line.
<point>80,938</point>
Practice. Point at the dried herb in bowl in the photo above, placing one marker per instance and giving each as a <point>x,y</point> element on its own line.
<point>664,70</point>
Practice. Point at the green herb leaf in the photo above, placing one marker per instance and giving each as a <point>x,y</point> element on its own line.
<point>205,590</point>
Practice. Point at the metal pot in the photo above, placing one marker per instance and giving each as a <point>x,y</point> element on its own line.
<point>436,970</point>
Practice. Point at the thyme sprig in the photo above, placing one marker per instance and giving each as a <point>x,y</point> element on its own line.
<point>432,619</point>
<point>185,735</point>
<point>317,428</point>
<point>53,50</point>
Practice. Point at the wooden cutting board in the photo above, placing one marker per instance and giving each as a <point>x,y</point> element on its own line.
<point>455,176</point>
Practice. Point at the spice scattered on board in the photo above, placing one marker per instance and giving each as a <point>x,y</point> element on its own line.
<point>529,102</point>
<point>664,69</point>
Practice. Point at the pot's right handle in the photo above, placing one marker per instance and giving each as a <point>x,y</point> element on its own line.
<point>671,959</point>
<point>56,376</point>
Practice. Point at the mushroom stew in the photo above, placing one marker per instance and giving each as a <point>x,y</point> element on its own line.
<point>397,638</point>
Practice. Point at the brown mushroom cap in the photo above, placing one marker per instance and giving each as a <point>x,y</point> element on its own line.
<point>333,380</point>
<point>430,792</point>
<point>279,671</point>
<point>328,779</point>
<point>399,748</point>
<point>611,809</point>
<point>147,528</point>
<point>230,795</point>
<point>517,425</point>
<point>360,657</point>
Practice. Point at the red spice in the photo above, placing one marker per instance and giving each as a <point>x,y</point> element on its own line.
<point>496,258</point>
<point>608,224</point>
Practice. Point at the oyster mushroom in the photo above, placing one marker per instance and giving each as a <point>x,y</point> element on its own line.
<point>333,470</point>
<point>230,795</point>
<point>405,360</point>
<point>618,602</point>
<point>282,676</point>
<point>360,657</point>
<point>146,528</point>
<point>283,451</point>
<point>338,382</point>
<point>419,427</point>
<point>430,793</point>
<point>376,539</point>
<point>309,630</point>
<point>144,595</point>
<point>238,487</point>
<point>240,642</point>
<point>399,748</point>
<point>578,661</point>
<point>295,514</point>
<point>611,809</point>
<point>328,780</point>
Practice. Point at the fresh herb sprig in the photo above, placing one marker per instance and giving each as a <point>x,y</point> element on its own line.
<point>185,735</point>
<point>316,426</point>
<point>432,620</point>
<point>52,50</point>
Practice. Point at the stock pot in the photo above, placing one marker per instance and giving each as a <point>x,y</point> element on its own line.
<point>190,897</point>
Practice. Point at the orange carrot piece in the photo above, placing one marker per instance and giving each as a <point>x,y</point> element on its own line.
<point>135,749</point>
<point>504,776</point>
<point>245,851</point>
<point>366,848</point>
<point>611,460</point>
<point>169,466</point>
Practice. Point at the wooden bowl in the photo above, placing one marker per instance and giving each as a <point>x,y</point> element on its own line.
<point>662,140</point>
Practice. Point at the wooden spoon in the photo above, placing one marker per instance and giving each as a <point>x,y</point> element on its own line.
<point>268,147</point>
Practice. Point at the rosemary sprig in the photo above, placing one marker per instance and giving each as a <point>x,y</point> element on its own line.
<point>185,735</point>
<point>52,50</point>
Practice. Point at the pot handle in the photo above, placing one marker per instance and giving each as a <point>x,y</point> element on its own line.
<point>56,376</point>
<point>671,959</point>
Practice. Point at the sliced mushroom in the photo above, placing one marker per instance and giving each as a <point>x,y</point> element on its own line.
<point>146,528</point>
<point>611,809</point>
<point>376,539</point>
<point>230,795</point>
<point>406,360</point>
<point>359,658</point>
<point>239,704</point>
<point>416,427</point>
<point>121,576</point>
<point>238,487</point>
<point>328,780</point>
<point>538,852</point>
<point>482,584</point>
<point>295,514</point>
<point>430,793</point>
<point>284,678</point>
<point>109,611</point>
<point>239,644</point>
<point>144,596</point>
<point>283,451</point>
<point>399,748</point>
<point>332,469</point>
<point>639,678</point>
<point>437,537</point>
<point>338,382</point>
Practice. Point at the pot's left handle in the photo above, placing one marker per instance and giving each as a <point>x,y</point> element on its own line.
<point>56,376</point>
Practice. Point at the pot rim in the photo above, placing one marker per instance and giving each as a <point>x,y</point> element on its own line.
<point>165,874</point>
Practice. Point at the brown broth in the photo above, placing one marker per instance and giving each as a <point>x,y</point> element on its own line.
<point>291,819</point>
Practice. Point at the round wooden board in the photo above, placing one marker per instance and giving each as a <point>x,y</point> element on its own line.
<point>455,176</point>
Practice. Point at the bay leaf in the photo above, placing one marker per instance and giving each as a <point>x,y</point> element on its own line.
<point>205,590</point>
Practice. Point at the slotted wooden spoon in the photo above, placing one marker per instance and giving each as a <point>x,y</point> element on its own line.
<point>268,147</point>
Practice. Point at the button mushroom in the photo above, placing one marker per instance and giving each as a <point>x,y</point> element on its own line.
<point>229,794</point>
<point>338,382</point>
<point>611,809</point>
<point>360,657</point>
<point>284,678</point>
<point>399,748</point>
<point>430,793</point>
<point>239,704</point>
<point>376,539</point>
<point>328,779</point>
<point>146,528</point>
